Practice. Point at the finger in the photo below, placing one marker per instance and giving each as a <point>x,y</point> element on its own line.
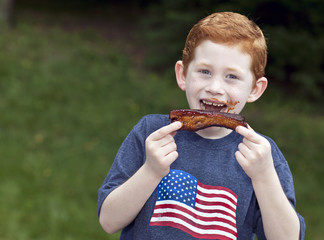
<point>169,148</point>
<point>171,157</point>
<point>168,139</point>
<point>241,159</point>
<point>244,150</point>
<point>173,133</point>
<point>249,134</point>
<point>241,128</point>
<point>250,145</point>
<point>166,154</point>
<point>164,131</point>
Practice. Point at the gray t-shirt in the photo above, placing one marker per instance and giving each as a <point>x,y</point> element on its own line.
<point>206,194</point>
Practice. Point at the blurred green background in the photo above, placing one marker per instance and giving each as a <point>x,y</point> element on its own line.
<point>77,75</point>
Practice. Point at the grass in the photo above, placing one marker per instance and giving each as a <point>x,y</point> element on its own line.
<point>67,100</point>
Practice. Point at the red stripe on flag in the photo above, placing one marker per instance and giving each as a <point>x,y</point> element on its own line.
<point>184,210</point>
<point>213,195</point>
<point>216,204</point>
<point>197,225</point>
<point>215,211</point>
<point>217,188</point>
<point>192,233</point>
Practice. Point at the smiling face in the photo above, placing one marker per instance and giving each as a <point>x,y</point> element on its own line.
<point>219,78</point>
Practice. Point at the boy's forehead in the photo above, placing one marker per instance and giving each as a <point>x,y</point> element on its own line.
<point>209,48</point>
<point>208,53</point>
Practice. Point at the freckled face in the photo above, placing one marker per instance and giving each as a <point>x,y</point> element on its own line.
<point>219,78</point>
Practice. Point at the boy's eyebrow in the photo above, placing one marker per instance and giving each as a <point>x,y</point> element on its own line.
<point>203,64</point>
<point>233,69</point>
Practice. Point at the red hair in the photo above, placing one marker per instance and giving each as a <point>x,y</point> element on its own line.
<point>229,29</point>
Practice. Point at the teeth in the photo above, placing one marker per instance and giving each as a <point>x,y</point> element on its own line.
<point>213,104</point>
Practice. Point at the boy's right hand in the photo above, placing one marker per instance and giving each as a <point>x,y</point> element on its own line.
<point>161,149</point>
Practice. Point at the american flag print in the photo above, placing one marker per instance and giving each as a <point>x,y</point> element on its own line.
<point>203,211</point>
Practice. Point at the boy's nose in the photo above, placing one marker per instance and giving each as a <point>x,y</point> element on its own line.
<point>215,87</point>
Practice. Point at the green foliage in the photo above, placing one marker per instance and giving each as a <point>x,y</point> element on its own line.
<point>165,27</point>
<point>301,62</point>
<point>67,101</point>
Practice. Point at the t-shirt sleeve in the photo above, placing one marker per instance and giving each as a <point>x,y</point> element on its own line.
<point>287,184</point>
<point>130,156</point>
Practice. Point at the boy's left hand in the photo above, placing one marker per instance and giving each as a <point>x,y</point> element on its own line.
<point>254,154</point>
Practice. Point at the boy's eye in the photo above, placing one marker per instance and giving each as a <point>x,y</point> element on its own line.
<point>205,71</point>
<point>231,76</point>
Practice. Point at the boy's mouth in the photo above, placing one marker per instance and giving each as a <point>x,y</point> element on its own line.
<point>210,105</point>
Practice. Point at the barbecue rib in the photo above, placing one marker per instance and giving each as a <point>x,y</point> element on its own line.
<point>194,120</point>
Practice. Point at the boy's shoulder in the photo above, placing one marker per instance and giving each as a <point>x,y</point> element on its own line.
<point>152,122</point>
<point>156,117</point>
<point>277,155</point>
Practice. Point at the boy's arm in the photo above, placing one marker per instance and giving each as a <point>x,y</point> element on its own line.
<point>280,221</point>
<point>123,204</point>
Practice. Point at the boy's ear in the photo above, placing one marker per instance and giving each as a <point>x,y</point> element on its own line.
<point>258,89</point>
<point>180,75</point>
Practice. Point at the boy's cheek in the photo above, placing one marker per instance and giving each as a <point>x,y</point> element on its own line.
<point>237,109</point>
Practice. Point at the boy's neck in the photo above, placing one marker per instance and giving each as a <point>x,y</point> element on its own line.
<point>214,132</point>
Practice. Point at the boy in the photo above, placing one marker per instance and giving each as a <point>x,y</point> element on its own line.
<point>214,183</point>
